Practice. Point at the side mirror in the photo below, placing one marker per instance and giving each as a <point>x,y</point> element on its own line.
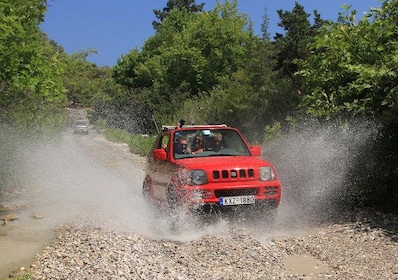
<point>255,150</point>
<point>159,154</point>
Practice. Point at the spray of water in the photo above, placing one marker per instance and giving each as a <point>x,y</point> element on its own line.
<point>314,162</point>
<point>82,180</point>
<point>88,181</point>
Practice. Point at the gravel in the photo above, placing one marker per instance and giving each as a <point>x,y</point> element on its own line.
<point>363,245</point>
<point>354,250</point>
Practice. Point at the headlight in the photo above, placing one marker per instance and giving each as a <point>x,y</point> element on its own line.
<point>197,177</point>
<point>267,173</point>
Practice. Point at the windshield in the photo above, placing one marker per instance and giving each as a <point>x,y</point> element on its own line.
<point>208,142</point>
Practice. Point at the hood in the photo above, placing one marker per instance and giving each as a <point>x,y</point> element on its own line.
<point>228,162</point>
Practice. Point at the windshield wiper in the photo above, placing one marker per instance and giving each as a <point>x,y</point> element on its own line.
<point>217,154</point>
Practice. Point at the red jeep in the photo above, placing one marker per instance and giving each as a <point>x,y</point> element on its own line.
<point>209,168</point>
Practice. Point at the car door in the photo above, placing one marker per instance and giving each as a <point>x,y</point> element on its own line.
<point>161,171</point>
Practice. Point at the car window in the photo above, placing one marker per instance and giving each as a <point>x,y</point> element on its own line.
<point>162,142</point>
<point>208,142</point>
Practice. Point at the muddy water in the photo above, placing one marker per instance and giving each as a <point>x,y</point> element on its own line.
<point>20,241</point>
<point>305,265</point>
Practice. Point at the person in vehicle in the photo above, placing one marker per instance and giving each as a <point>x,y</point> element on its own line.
<point>216,142</point>
<point>180,124</point>
<point>181,147</point>
<point>197,146</point>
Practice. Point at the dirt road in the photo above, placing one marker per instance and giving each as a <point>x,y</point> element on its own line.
<point>92,222</point>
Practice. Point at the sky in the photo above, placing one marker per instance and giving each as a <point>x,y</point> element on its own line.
<point>115,27</point>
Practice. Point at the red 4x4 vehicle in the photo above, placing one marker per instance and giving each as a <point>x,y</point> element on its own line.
<point>209,167</point>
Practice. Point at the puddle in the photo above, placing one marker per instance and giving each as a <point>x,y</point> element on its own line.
<point>305,265</point>
<point>20,241</point>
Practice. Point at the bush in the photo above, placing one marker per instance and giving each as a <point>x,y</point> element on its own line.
<point>138,144</point>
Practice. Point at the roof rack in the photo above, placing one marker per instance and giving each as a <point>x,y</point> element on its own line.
<point>169,127</point>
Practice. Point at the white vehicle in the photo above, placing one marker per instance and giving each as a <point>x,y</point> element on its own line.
<point>80,127</point>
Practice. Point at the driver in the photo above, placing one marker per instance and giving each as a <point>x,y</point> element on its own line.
<point>181,147</point>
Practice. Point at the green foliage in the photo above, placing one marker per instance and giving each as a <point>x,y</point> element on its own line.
<point>117,135</point>
<point>285,89</point>
<point>188,5</point>
<point>131,72</point>
<point>272,132</point>
<point>141,145</point>
<point>299,32</point>
<point>31,94</point>
<point>138,144</point>
<point>84,82</point>
<point>129,111</point>
<point>27,276</point>
<point>9,145</point>
<point>194,111</point>
<point>189,54</point>
<point>352,69</point>
<point>208,67</point>
<point>352,72</point>
<point>242,99</point>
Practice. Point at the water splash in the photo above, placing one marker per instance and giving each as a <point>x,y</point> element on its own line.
<point>314,163</point>
<point>70,181</point>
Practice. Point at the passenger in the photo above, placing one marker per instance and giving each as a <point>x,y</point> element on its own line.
<point>180,124</point>
<point>197,146</point>
<point>216,143</point>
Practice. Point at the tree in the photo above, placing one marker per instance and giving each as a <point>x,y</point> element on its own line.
<point>265,26</point>
<point>30,68</point>
<point>83,80</point>
<point>211,46</point>
<point>299,32</point>
<point>352,72</point>
<point>188,5</point>
<point>352,69</point>
<point>189,54</point>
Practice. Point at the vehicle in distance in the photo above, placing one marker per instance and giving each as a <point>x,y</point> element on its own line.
<point>209,168</point>
<point>80,127</point>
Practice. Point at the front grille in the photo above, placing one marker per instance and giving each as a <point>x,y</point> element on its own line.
<point>233,174</point>
<point>236,192</point>
<point>270,191</point>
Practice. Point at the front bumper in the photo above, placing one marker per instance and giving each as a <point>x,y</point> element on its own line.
<point>209,208</point>
<point>207,197</point>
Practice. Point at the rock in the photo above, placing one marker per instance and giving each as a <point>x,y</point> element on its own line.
<point>9,217</point>
<point>36,216</point>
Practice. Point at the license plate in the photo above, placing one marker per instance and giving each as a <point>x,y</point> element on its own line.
<point>237,200</point>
